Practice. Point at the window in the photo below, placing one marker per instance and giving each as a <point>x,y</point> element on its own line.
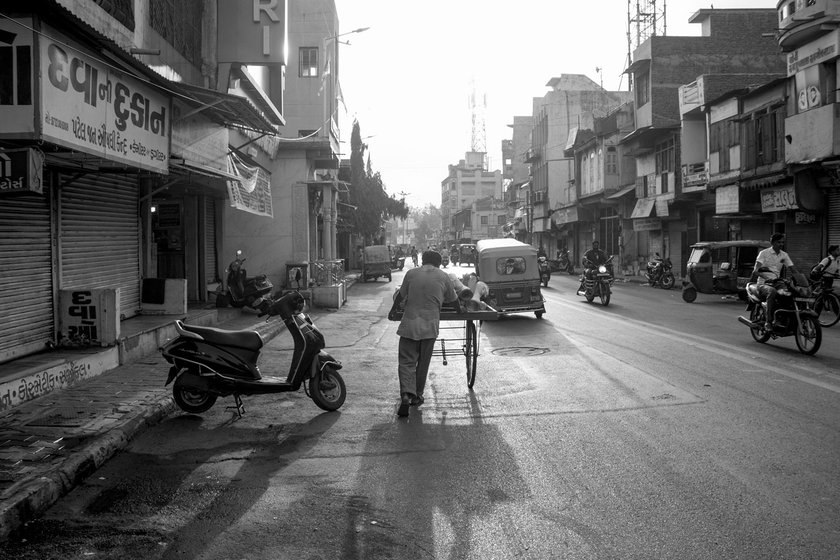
<point>612,161</point>
<point>501,220</point>
<point>722,136</point>
<point>510,265</point>
<point>815,86</point>
<point>665,156</point>
<point>308,62</point>
<point>764,139</point>
<point>642,89</point>
<point>484,220</point>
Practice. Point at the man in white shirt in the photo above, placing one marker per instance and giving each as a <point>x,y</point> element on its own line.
<point>772,258</point>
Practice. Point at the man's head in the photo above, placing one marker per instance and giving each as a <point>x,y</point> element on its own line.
<point>834,250</point>
<point>777,240</point>
<point>596,245</point>
<point>433,258</point>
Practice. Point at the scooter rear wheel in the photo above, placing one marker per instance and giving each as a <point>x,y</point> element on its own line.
<point>327,389</point>
<point>192,400</point>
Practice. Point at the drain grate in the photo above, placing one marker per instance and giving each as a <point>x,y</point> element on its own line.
<point>64,416</point>
<point>520,351</point>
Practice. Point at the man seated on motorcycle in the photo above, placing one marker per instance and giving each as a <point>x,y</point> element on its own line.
<point>768,269</point>
<point>592,259</point>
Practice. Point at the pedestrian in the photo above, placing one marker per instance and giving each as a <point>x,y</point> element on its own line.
<point>424,290</point>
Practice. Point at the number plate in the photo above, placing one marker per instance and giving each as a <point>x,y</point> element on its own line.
<point>513,295</point>
<point>807,300</point>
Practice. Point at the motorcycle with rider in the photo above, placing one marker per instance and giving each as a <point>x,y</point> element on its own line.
<point>597,277</point>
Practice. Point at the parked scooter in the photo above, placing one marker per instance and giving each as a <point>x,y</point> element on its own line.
<point>208,362</point>
<point>545,270</point>
<point>564,262</point>
<point>793,314</point>
<point>242,291</point>
<point>659,273</point>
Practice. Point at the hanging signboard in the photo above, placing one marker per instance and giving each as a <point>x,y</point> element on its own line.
<point>727,200</point>
<point>21,170</point>
<point>89,106</point>
<point>252,31</point>
<point>779,199</point>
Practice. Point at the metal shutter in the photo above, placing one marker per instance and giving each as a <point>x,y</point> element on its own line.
<point>210,257</point>
<point>26,287</point>
<point>99,236</point>
<point>833,217</point>
<point>802,243</point>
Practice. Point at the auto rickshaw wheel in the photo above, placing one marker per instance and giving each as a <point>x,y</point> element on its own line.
<point>389,277</point>
<point>689,294</point>
<point>539,314</point>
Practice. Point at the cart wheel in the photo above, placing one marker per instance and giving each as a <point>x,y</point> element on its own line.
<point>471,352</point>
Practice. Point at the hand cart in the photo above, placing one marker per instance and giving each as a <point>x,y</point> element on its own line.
<point>462,338</point>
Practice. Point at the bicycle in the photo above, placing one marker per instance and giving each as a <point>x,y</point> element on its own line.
<point>826,302</point>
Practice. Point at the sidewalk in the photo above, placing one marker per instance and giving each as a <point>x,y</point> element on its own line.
<point>50,444</point>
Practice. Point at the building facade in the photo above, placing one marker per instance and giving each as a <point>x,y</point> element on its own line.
<point>466,182</point>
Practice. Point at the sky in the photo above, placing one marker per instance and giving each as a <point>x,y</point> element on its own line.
<point>408,78</point>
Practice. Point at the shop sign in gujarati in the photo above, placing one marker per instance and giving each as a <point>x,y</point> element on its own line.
<point>89,106</point>
<point>779,199</point>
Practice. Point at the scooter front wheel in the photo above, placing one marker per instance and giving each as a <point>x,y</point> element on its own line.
<point>192,400</point>
<point>327,389</point>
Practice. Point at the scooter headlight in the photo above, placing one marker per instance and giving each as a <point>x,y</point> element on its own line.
<point>602,269</point>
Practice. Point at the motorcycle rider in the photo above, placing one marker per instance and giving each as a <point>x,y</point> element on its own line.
<point>772,258</point>
<point>829,267</point>
<point>414,255</point>
<point>592,259</point>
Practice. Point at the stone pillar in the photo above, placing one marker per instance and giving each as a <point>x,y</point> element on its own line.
<point>300,223</point>
<point>328,232</point>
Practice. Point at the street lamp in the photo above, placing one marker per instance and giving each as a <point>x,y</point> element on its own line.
<point>331,67</point>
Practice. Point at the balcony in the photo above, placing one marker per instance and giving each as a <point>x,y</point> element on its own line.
<point>800,22</point>
<point>813,135</point>
<point>695,176</point>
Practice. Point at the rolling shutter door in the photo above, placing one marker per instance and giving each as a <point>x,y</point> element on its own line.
<point>802,243</point>
<point>210,258</point>
<point>833,217</point>
<point>99,237</point>
<point>26,294</point>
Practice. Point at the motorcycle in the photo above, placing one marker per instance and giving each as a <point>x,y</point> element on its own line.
<point>793,315</point>
<point>242,291</point>
<point>208,363</point>
<point>398,262</point>
<point>545,270</point>
<point>598,282</point>
<point>564,262</point>
<point>659,273</point>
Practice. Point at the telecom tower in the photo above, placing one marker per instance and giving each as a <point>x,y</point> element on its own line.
<point>478,110</point>
<point>647,21</point>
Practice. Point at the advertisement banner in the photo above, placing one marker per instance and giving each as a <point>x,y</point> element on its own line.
<point>89,106</point>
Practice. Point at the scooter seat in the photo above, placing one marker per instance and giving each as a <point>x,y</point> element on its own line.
<point>250,340</point>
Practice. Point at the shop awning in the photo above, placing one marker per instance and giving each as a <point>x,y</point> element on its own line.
<point>228,109</point>
<point>644,206</point>
<point>622,192</point>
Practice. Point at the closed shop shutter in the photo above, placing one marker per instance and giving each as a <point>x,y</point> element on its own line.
<point>99,237</point>
<point>26,294</point>
<point>210,257</point>
<point>833,217</point>
<point>802,243</point>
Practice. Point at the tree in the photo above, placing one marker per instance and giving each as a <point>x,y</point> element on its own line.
<point>367,192</point>
<point>428,228</point>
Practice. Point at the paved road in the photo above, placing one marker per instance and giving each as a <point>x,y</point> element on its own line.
<point>648,429</point>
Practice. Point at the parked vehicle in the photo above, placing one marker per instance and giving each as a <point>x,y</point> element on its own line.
<point>545,270</point>
<point>242,291</point>
<point>511,272</point>
<point>720,267</point>
<point>208,363</point>
<point>597,282</point>
<point>659,273</point>
<point>793,314</point>
<point>376,262</point>
<point>564,262</point>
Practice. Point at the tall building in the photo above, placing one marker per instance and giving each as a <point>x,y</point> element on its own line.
<point>466,182</point>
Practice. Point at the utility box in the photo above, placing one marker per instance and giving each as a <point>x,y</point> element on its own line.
<point>89,317</point>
